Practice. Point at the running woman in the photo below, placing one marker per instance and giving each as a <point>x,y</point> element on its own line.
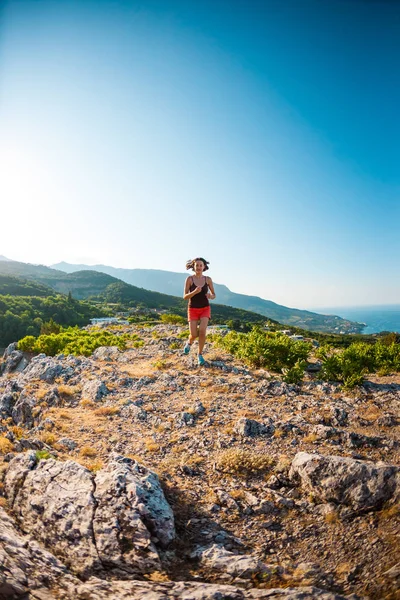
<point>199,289</point>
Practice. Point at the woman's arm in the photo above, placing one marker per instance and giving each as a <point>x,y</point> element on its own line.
<point>211,296</point>
<point>186,293</point>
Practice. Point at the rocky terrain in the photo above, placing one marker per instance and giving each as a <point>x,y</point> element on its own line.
<point>139,475</point>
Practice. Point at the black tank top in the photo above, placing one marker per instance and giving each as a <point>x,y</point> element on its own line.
<point>200,300</point>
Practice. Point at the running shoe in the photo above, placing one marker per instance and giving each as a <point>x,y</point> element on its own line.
<point>201,360</point>
<point>186,349</point>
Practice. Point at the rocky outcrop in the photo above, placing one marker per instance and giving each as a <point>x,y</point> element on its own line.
<point>354,483</point>
<point>30,572</point>
<point>113,520</point>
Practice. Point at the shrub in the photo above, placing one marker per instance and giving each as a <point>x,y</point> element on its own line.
<point>173,319</point>
<point>294,374</point>
<point>260,348</point>
<point>5,445</point>
<point>243,462</point>
<point>43,455</point>
<point>88,451</point>
<point>350,365</point>
<point>73,340</point>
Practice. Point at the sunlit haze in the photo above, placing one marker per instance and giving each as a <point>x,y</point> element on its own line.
<point>260,134</point>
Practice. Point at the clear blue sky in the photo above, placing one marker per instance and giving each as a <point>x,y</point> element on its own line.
<point>261,134</point>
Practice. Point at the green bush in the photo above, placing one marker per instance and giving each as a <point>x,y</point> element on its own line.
<point>75,341</point>
<point>350,365</point>
<point>260,348</point>
<point>295,374</point>
<point>173,319</point>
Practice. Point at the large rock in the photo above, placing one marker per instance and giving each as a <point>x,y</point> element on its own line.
<point>24,566</point>
<point>7,402</point>
<point>354,483</point>
<point>217,558</point>
<point>13,361</point>
<point>114,519</point>
<point>45,368</point>
<point>94,390</point>
<point>107,353</point>
<point>22,413</point>
<point>251,428</point>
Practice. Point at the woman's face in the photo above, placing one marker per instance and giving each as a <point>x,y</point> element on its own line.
<point>199,266</point>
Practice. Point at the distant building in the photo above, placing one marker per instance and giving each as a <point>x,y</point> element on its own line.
<point>108,321</point>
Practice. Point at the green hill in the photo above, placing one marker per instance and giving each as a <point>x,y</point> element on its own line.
<point>16,286</point>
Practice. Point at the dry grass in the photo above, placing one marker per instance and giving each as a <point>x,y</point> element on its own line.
<point>310,438</point>
<point>86,403</point>
<point>242,462</point>
<point>138,369</point>
<point>238,494</point>
<point>107,411</point>
<point>66,391</point>
<point>279,433</point>
<point>370,412</point>
<point>343,568</point>
<point>95,465</point>
<point>48,438</point>
<point>151,445</point>
<point>332,517</point>
<point>17,431</point>
<point>157,576</point>
<point>5,445</point>
<point>228,429</point>
<point>62,414</point>
<point>41,393</point>
<point>248,414</point>
<point>159,428</point>
<point>283,464</point>
<point>389,512</point>
<point>88,451</point>
<point>3,502</point>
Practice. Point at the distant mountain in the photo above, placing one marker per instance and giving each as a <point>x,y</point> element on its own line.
<point>169,282</point>
<point>5,258</point>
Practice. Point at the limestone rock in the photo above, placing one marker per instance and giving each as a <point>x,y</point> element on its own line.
<point>94,390</point>
<point>67,443</point>
<point>354,483</point>
<point>14,361</point>
<point>24,565</point>
<point>45,368</point>
<point>22,413</point>
<point>217,558</point>
<point>107,353</point>
<point>251,428</point>
<point>91,522</point>
<point>7,402</point>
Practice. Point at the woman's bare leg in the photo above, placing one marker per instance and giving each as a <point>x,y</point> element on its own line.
<point>202,333</point>
<point>193,331</point>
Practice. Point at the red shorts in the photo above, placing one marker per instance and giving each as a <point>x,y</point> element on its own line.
<point>195,314</point>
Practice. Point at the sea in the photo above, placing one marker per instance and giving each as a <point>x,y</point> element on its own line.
<point>376,318</point>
